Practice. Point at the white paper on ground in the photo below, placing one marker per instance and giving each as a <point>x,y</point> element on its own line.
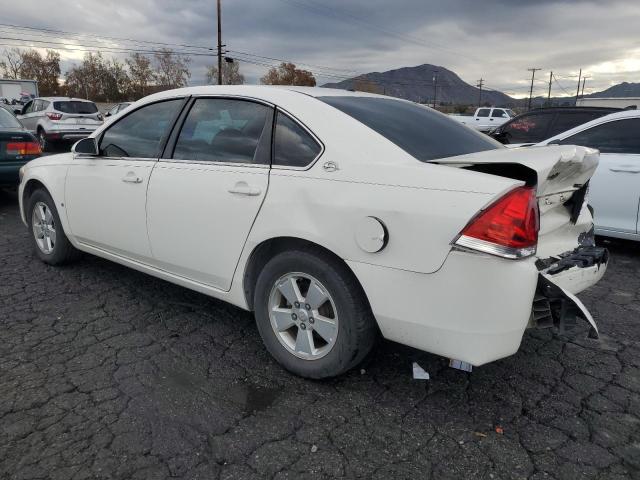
<point>419,372</point>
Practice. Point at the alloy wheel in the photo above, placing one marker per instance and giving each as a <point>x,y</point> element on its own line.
<point>44,227</point>
<point>303,316</point>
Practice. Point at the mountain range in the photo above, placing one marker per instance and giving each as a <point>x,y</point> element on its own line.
<point>419,84</point>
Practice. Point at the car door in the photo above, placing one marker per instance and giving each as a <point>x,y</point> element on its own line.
<point>204,196</point>
<point>614,191</point>
<point>106,194</point>
<point>28,116</point>
<point>482,118</point>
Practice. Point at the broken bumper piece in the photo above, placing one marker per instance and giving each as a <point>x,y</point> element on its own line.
<point>555,303</point>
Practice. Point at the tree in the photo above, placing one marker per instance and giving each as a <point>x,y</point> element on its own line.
<point>88,79</point>
<point>31,65</point>
<point>117,83</point>
<point>230,74</point>
<point>12,63</point>
<point>140,74</point>
<point>288,74</point>
<point>364,85</point>
<point>171,69</point>
<point>43,68</point>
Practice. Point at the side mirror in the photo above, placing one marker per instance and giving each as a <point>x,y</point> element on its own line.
<point>86,146</point>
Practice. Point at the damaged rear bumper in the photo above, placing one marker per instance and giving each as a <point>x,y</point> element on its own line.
<point>559,279</point>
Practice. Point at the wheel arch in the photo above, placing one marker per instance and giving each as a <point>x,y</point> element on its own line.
<point>267,249</point>
<point>31,186</point>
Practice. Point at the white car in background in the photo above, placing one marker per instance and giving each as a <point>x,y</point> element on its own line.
<point>58,119</point>
<point>614,190</point>
<point>485,118</point>
<point>333,215</point>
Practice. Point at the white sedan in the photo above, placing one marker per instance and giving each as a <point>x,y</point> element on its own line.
<point>333,215</point>
<point>614,191</point>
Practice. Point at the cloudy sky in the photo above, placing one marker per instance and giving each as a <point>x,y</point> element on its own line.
<point>493,39</point>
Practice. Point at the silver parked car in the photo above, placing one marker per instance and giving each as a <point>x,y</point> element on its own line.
<point>56,119</point>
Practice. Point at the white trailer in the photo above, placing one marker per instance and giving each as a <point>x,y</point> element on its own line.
<point>615,102</point>
<point>14,89</point>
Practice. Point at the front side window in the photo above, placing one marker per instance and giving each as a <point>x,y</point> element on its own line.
<point>140,133</point>
<point>498,114</point>
<point>528,128</point>
<point>483,112</point>
<point>225,130</point>
<point>293,146</point>
<point>620,136</point>
<point>28,108</point>
<point>420,131</point>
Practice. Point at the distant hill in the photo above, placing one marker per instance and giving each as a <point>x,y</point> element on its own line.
<point>624,89</point>
<point>416,84</point>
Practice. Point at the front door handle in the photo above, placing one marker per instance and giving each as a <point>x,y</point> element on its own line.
<point>243,188</point>
<point>625,169</point>
<point>131,178</point>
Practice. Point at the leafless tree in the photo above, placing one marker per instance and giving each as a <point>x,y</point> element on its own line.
<point>230,74</point>
<point>171,69</point>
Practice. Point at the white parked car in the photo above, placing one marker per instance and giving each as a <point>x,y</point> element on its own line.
<point>58,119</point>
<point>333,215</point>
<point>485,118</point>
<point>614,190</point>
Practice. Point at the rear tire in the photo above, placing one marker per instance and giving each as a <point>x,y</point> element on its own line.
<point>321,337</point>
<point>47,236</point>
<point>45,145</point>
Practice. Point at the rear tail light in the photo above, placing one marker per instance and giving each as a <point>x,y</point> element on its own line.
<point>54,116</point>
<point>507,228</point>
<point>23,148</point>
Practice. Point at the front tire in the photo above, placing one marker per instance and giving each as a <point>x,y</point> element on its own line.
<point>312,314</point>
<point>47,236</point>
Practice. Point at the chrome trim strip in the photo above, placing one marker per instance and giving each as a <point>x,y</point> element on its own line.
<point>493,248</point>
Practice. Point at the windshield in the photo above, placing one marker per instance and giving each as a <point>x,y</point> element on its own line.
<point>75,106</point>
<point>511,113</point>
<point>7,120</point>
<point>418,130</point>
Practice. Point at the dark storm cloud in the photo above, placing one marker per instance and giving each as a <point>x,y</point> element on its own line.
<point>495,39</point>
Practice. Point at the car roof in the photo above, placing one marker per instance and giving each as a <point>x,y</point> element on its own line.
<point>260,91</point>
<point>63,99</point>
<point>604,119</point>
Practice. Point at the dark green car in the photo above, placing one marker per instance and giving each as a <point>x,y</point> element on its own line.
<point>17,147</point>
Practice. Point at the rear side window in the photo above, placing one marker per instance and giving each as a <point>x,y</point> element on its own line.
<point>75,106</point>
<point>293,146</point>
<point>620,136</point>
<point>225,130</point>
<point>483,112</point>
<point>140,133</point>
<point>420,131</point>
<point>567,120</point>
<point>528,128</point>
<point>7,120</point>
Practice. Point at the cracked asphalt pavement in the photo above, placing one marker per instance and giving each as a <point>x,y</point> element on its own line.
<point>106,373</point>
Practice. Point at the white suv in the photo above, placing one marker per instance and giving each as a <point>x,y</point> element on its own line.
<point>55,119</point>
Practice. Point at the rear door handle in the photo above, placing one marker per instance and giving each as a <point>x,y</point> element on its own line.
<point>626,169</point>
<point>131,178</point>
<point>243,188</point>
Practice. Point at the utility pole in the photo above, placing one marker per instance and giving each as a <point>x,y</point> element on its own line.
<point>584,79</point>
<point>578,90</point>
<point>435,87</point>
<point>479,85</point>
<point>219,46</point>
<point>533,74</point>
<point>549,94</point>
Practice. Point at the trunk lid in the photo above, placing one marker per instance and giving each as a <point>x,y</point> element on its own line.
<point>560,174</point>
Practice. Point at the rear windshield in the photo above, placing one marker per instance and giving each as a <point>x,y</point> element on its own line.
<point>74,106</point>
<point>419,131</point>
<point>7,120</point>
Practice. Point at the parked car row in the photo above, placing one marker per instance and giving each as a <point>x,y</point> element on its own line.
<point>333,215</point>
